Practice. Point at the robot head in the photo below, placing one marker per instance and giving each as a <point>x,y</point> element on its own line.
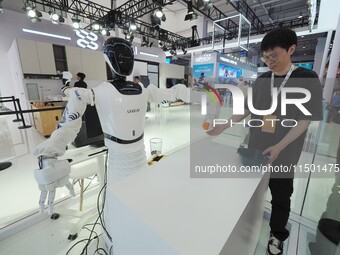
<point>67,76</point>
<point>118,54</point>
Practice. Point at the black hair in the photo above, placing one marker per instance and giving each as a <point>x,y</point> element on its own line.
<point>81,76</point>
<point>137,77</point>
<point>280,37</point>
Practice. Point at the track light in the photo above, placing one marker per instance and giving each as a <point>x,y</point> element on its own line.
<point>300,16</point>
<point>75,23</point>
<point>133,26</point>
<point>105,32</point>
<point>159,13</point>
<point>96,26</point>
<point>56,18</point>
<point>184,51</point>
<point>33,13</point>
<point>190,14</point>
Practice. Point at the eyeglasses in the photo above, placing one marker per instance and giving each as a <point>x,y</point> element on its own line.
<point>272,58</point>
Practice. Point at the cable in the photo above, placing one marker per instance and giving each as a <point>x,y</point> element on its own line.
<point>104,199</point>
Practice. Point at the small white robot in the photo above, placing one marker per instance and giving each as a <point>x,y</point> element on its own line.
<point>121,107</point>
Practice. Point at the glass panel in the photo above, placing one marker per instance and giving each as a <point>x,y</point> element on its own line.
<point>153,68</point>
<point>153,78</point>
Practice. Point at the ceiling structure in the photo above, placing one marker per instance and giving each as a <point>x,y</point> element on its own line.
<point>264,15</point>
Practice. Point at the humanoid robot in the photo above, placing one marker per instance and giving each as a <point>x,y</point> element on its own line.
<point>121,107</point>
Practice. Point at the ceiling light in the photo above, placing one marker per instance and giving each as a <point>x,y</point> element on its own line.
<point>105,32</point>
<point>95,26</point>
<point>159,13</point>
<point>133,26</point>
<point>75,23</point>
<point>31,13</point>
<point>54,16</point>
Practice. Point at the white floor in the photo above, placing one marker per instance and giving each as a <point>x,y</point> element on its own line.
<point>19,193</point>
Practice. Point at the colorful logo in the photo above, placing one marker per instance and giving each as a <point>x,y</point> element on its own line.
<point>213,94</point>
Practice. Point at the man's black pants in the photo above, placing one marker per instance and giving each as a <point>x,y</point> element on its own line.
<point>281,190</point>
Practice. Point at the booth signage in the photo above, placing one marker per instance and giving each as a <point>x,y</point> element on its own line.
<point>228,60</point>
<point>87,39</point>
<point>203,58</point>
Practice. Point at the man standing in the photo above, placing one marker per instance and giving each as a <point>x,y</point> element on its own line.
<point>282,143</point>
<point>80,83</point>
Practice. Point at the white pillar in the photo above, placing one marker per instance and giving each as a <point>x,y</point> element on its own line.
<point>325,54</point>
<point>333,65</point>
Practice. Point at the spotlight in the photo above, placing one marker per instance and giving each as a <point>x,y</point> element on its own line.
<point>188,16</point>
<point>150,45</point>
<point>163,18</point>
<point>159,13</point>
<point>133,26</point>
<point>184,51</point>
<point>105,32</point>
<point>33,14</point>
<point>54,17</point>
<point>75,23</point>
<point>95,26</point>
<point>160,43</point>
<point>300,16</point>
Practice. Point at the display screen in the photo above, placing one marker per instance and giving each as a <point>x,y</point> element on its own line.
<point>229,71</point>
<point>305,65</point>
<point>168,60</point>
<point>172,82</point>
<point>207,69</point>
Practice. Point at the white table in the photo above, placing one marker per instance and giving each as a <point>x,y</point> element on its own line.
<point>162,211</point>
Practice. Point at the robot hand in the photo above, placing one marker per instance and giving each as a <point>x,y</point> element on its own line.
<point>52,174</point>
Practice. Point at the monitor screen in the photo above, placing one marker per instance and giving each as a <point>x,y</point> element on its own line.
<point>229,71</point>
<point>172,82</point>
<point>168,60</point>
<point>305,65</point>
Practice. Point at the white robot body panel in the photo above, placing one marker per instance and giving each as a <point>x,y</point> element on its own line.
<point>121,116</point>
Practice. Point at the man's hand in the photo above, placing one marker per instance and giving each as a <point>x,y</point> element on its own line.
<point>52,174</point>
<point>217,130</point>
<point>272,152</point>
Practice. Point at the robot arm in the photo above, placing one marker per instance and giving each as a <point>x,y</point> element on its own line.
<point>53,173</point>
<point>157,95</point>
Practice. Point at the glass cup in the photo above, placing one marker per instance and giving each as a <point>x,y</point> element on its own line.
<point>156,146</point>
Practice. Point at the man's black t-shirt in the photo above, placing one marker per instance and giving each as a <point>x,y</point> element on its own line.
<point>302,78</point>
<point>80,84</point>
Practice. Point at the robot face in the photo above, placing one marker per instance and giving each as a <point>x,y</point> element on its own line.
<point>118,54</point>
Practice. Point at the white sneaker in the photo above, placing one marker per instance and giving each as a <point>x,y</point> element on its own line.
<point>275,246</point>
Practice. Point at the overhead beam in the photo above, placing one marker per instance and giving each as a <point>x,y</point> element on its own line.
<point>242,7</point>
<point>96,12</point>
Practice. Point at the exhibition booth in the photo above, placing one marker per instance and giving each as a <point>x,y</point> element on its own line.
<point>164,208</point>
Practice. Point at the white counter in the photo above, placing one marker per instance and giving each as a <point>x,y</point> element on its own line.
<point>161,210</point>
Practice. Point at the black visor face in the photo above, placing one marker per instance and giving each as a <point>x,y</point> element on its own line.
<point>120,55</point>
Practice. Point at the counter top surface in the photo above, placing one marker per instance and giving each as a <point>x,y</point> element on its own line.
<point>193,215</point>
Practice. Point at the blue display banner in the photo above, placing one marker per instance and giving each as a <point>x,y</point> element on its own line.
<point>207,69</point>
<point>305,65</point>
<point>229,71</point>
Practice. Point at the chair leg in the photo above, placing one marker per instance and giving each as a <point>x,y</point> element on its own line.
<point>81,194</point>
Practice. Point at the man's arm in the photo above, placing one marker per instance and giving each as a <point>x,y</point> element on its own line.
<point>219,128</point>
<point>292,135</point>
